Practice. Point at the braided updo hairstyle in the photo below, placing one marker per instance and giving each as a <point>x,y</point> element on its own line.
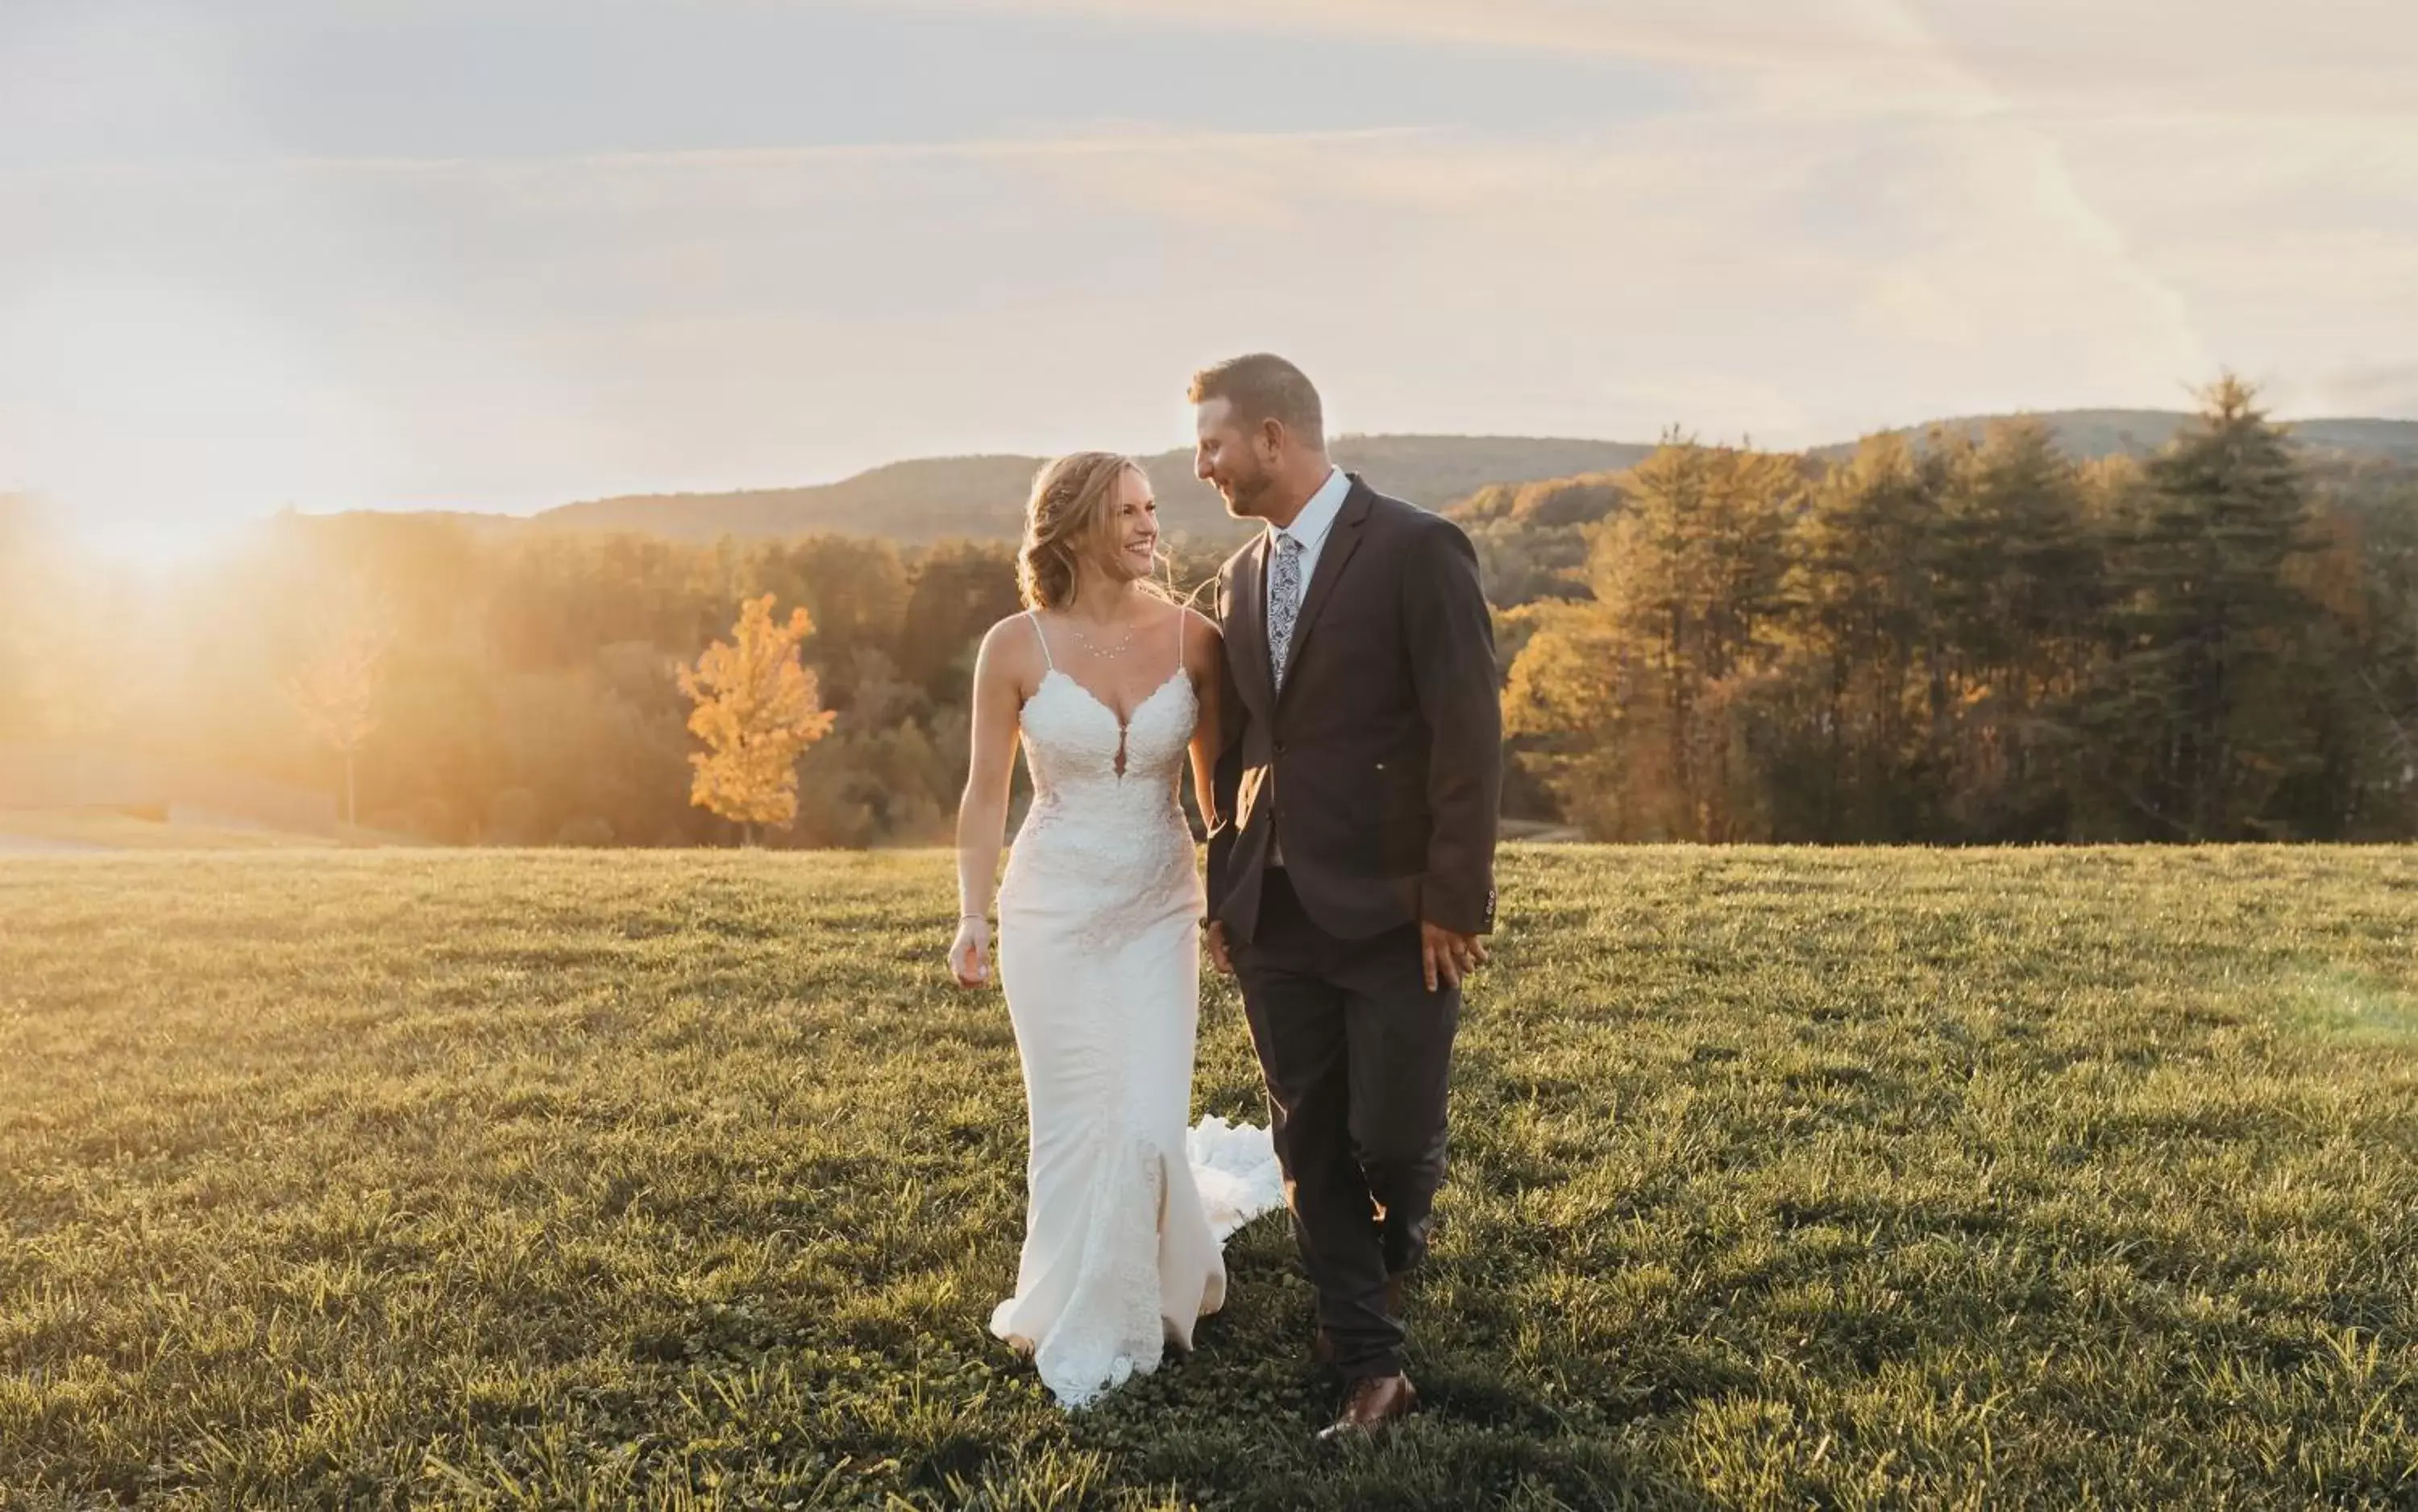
<point>1066,517</point>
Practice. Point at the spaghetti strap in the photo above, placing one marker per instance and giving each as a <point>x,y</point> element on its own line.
<point>1047,660</point>
<point>1182,624</point>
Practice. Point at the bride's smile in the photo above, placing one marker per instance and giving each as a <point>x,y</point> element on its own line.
<point>1136,524</point>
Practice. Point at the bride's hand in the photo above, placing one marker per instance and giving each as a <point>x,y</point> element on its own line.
<point>970,956</point>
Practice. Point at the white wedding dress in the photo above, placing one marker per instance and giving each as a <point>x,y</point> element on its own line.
<point>1099,954</point>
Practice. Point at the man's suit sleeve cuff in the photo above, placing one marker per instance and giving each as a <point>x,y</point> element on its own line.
<point>1457,910</point>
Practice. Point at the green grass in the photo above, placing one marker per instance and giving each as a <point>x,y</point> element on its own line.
<point>120,832</point>
<point>2053,1179</point>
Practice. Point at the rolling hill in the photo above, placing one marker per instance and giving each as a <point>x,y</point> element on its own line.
<point>983,496</point>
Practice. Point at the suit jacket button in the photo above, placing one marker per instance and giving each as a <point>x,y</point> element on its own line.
<point>1280,748</point>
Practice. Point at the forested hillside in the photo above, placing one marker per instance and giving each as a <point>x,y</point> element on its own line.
<point>979,498</point>
<point>1936,640</point>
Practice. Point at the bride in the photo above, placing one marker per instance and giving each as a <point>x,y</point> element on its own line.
<point>1110,686</point>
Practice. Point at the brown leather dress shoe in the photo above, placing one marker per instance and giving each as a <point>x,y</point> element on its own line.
<point>1374,1402</point>
<point>1321,1344</point>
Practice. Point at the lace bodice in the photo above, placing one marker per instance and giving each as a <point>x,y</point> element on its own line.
<point>1077,748</point>
<point>1106,818</point>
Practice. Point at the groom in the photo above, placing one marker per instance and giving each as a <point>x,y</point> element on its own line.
<point>1352,874</point>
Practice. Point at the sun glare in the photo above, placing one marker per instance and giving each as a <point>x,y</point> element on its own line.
<point>153,546</point>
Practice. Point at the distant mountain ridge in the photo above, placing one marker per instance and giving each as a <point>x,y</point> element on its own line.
<point>2089,433</point>
<point>983,496</point>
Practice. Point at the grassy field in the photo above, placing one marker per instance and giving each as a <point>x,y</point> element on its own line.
<point>37,830</point>
<point>1782,1178</point>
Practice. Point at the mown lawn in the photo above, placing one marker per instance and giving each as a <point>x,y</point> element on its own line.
<point>2052,1179</point>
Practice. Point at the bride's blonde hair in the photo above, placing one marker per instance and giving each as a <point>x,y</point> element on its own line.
<point>1066,517</point>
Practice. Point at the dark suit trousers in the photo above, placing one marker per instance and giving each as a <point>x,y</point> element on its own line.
<point>1357,1052</point>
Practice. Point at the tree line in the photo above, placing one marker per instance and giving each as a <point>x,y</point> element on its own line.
<point>1941,640</point>
<point>524,691</point>
<point>475,687</point>
<point>1953,640</point>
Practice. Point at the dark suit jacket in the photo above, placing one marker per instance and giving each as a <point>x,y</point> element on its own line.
<point>1381,763</point>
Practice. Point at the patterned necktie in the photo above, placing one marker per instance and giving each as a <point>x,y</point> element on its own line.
<point>1284,601</point>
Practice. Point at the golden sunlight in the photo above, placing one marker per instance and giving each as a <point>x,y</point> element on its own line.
<point>151,544</point>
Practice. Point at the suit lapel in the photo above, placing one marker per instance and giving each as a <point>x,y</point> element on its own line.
<point>1246,639</point>
<point>1342,540</point>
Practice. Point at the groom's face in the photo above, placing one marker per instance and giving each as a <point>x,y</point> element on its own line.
<point>1229,459</point>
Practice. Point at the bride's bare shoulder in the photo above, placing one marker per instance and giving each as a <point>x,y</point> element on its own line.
<point>1019,626</point>
<point>1201,637</point>
<point>1013,647</point>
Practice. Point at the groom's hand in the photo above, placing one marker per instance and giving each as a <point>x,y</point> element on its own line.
<point>1215,935</point>
<point>1448,956</point>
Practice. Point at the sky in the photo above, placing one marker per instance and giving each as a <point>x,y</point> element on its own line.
<point>500,255</point>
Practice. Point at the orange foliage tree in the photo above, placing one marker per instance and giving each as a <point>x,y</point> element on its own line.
<point>757,708</point>
<point>335,691</point>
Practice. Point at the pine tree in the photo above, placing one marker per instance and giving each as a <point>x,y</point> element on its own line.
<point>1867,651</point>
<point>757,711</point>
<point>2201,715</point>
<point>2022,599</point>
<point>2364,577</point>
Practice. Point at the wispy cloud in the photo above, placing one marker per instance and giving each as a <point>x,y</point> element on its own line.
<point>1835,215</point>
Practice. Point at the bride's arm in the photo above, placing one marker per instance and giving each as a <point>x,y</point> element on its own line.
<point>982,812</point>
<point>1204,657</point>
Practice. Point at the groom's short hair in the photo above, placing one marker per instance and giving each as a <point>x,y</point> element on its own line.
<point>1261,385</point>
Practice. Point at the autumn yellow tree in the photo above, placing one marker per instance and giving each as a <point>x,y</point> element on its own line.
<point>757,711</point>
<point>335,690</point>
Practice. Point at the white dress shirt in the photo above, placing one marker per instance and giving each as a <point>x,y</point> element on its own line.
<point>1310,527</point>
